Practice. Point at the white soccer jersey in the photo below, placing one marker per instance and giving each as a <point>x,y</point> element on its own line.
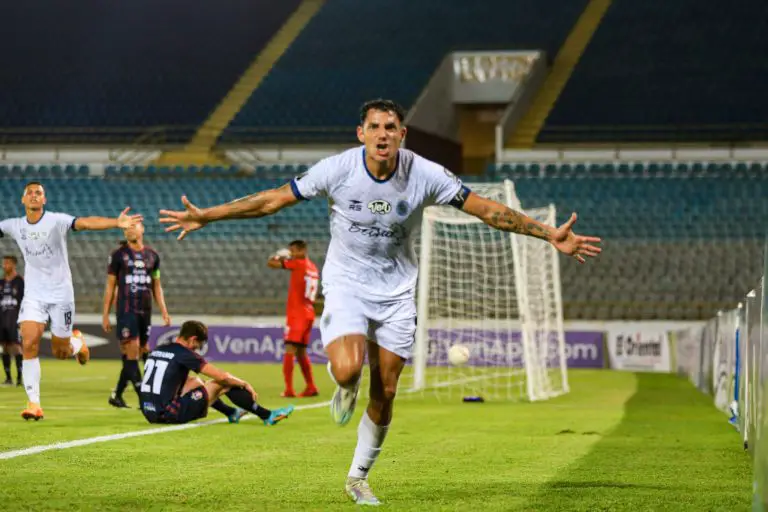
<point>46,263</point>
<point>373,222</point>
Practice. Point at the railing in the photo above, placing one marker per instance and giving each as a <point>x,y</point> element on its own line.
<point>727,357</point>
<point>727,133</point>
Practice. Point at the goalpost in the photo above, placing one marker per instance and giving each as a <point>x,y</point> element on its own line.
<point>496,293</point>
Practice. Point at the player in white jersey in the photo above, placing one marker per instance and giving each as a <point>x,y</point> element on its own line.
<point>42,237</point>
<point>377,193</point>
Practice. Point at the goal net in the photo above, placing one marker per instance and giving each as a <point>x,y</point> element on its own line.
<point>495,293</point>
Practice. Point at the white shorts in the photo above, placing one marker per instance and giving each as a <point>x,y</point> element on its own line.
<point>390,324</point>
<point>62,316</point>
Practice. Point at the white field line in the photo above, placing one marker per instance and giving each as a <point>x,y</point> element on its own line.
<point>33,450</point>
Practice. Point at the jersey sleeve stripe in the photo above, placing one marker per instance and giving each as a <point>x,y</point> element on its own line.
<point>296,192</point>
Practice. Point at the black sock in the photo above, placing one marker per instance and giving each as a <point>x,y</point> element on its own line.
<point>122,381</point>
<point>19,361</point>
<point>7,365</point>
<point>223,408</point>
<point>243,399</point>
<point>133,375</point>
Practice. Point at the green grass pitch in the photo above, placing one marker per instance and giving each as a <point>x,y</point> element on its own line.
<point>618,441</point>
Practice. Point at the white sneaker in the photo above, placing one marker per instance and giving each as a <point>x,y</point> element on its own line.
<point>360,492</point>
<point>343,401</point>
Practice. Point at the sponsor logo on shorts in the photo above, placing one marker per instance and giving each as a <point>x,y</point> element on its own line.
<point>126,332</point>
<point>197,395</point>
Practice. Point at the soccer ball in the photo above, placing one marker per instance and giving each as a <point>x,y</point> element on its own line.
<point>458,354</point>
<point>283,253</point>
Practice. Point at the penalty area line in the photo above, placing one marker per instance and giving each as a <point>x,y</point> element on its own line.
<point>33,450</point>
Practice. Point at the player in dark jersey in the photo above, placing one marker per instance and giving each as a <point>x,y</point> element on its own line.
<point>299,313</point>
<point>170,395</point>
<point>11,293</point>
<point>133,275</point>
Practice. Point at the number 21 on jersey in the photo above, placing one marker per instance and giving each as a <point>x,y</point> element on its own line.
<point>154,371</point>
<point>310,288</point>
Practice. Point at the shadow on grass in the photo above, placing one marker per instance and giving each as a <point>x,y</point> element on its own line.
<point>672,450</point>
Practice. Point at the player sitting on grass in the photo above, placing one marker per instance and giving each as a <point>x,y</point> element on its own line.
<point>170,395</point>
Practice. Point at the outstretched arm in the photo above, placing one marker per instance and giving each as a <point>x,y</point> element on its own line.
<point>122,221</point>
<point>260,204</point>
<point>503,218</point>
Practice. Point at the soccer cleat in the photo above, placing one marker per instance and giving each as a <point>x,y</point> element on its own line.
<point>117,401</point>
<point>360,492</point>
<point>288,393</point>
<point>85,354</point>
<point>8,382</point>
<point>343,404</point>
<point>309,392</point>
<point>19,382</point>
<point>32,412</point>
<point>235,416</point>
<point>278,415</point>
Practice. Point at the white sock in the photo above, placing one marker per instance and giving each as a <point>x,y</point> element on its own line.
<point>76,343</point>
<point>370,437</point>
<point>30,371</point>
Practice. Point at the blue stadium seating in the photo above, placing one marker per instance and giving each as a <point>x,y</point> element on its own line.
<point>131,64</point>
<point>665,71</point>
<point>681,239</point>
<point>339,60</point>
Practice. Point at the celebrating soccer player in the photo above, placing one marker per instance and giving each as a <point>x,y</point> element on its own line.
<point>134,273</point>
<point>377,194</point>
<point>11,295</point>
<point>300,313</point>
<point>170,395</point>
<point>42,237</point>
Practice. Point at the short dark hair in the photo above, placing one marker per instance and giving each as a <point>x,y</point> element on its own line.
<point>11,257</point>
<point>299,244</point>
<point>381,105</point>
<point>194,328</point>
<point>30,183</point>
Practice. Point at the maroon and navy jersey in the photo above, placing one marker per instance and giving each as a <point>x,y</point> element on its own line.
<point>165,373</point>
<point>11,293</point>
<point>135,272</point>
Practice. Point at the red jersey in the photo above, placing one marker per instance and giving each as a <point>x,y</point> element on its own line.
<point>302,290</point>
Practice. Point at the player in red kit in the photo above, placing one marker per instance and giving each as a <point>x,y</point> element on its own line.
<point>300,312</point>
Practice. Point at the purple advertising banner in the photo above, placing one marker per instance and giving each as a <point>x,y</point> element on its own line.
<point>583,349</point>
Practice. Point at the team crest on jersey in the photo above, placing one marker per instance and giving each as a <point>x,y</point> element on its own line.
<point>197,395</point>
<point>379,207</point>
<point>402,208</point>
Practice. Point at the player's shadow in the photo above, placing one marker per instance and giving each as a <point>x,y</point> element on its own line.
<point>667,453</point>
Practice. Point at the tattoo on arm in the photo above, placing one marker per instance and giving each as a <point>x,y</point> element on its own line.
<point>516,222</point>
<point>259,204</point>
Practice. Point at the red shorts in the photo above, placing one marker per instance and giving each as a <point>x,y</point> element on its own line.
<point>297,330</point>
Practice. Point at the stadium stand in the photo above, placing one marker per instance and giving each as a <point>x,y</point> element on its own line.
<point>666,72</point>
<point>675,233</point>
<point>110,74</point>
<point>346,66</point>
